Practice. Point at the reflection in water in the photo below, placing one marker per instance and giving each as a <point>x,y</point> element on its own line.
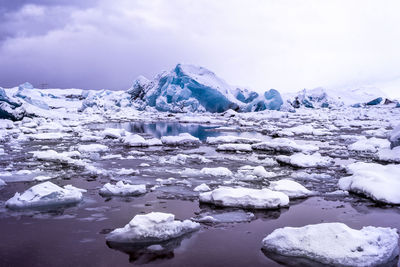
<point>162,129</point>
<point>149,252</point>
<point>304,262</point>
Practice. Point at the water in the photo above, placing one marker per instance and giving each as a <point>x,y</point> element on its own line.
<point>75,235</point>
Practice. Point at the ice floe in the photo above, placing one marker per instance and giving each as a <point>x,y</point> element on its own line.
<point>151,228</point>
<point>284,145</point>
<point>290,188</point>
<point>183,139</point>
<point>335,244</point>
<point>301,160</point>
<point>245,198</point>
<point>45,194</point>
<point>122,189</point>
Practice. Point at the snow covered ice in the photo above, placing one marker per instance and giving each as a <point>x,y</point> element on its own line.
<point>122,189</point>
<point>245,198</point>
<point>152,228</point>
<point>44,195</point>
<point>290,188</point>
<point>335,244</point>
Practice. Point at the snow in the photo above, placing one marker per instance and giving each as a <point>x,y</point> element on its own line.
<point>230,139</point>
<point>135,140</point>
<point>390,155</point>
<point>151,228</point>
<point>183,139</point>
<point>113,133</point>
<point>376,181</point>
<point>202,188</point>
<point>218,171</point>
<point>92,148</point>
<point>335,244</point>
<point>245,198</point>
<point>235,147</point>
<point>301,160</point>
<point>291,188</point>
<point>122,189</point>
<point>283,145</point>
<point>45,194</point>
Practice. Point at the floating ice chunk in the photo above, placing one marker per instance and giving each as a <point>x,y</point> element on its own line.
<point>183,158</point>
<point>224,217</point>
<point>395,137</point>
<point>41,178</point>
<point>151,228</point>
<point>235,147</point>
<point>291,188</point>
<point>369,145</point>
<point>54,156</point>
<point>135,140</point>
<point>45,194</point>
<point>379,182</point>
<point>335,244</point>
<point>202,188</point>
<point>92,148</point>
<point>231,140</point>
<point>284,145</point>
<point>218,171</point>
<point>122,189</point>
<point>154,142</point>
<point>301,160</point>
<point>48,136</point>
<point>390,155</point>
<point>2,183</point>
<point>245,198</point>
<point>183,139</point>
<point>260,171</point>
<point>113,133</point>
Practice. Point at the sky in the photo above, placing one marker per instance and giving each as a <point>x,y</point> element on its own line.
<point>258,44</point>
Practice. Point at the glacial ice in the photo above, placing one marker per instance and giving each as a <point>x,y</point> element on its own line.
<point>234,147</point>
<point>284,145</point>
<point>9,109</point>
<point>301,160</point>
<point>335,244</point>
<point>376,181</point>
<point>183,139</point>
<point>245,198</point>
<point>290,188</point>
<point>122,189</point>
<point>45,194</point>
<point>152,228</point>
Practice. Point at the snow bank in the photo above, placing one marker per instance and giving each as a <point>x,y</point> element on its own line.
<point>45,194</point>
<point>379,182</point>
<point>335,244</point>
<point>151,228</point>
<point>245,198</point>
<point>122,189</point>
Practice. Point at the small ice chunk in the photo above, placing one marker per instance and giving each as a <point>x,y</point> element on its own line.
<point>335,244</point>
<point>218,171</point>
<point>394,137</point>
<point>135,140</point>
<point>379,182</point>
<point>2,183</point>
<point>151,228</point>
<point>390,155</point>
<point>225,139</point>
<point>369,145</point>
<point>301,160</point>
<point>183,139</point>
<point>42,178</point>
<point>284,145</point>
<point>45,194</point>
<point>245,198</point>
<point>122,189</point>
<point>112,133</point>
<point>235,147</point>
<point>291,188</point>
<point>260,171</point>
<point>224,217</point>
<point>202,188</point>
<point>92,148</point>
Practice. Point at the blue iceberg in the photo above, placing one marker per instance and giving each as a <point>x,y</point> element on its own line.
<point>189,88</point>
<point>374,102</point>
<point>9,109</point>
<point>34,97</point>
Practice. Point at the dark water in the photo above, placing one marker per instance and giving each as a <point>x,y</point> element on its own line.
<point>75,236</point>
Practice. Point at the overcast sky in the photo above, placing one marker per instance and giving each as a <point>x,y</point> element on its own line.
<point>259,44</point>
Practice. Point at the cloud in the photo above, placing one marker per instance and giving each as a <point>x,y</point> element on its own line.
<point>287,45</point>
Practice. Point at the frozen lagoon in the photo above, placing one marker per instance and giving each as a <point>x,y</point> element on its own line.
<point>76,234</point>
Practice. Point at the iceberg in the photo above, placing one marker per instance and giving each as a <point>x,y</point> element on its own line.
<point>10,110</point>
<point>189,88</point>
<point>44,195</point>
<point>31,96</point>
<point>242,197</point>
<point>334,244</point>
<point>152,228</point>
